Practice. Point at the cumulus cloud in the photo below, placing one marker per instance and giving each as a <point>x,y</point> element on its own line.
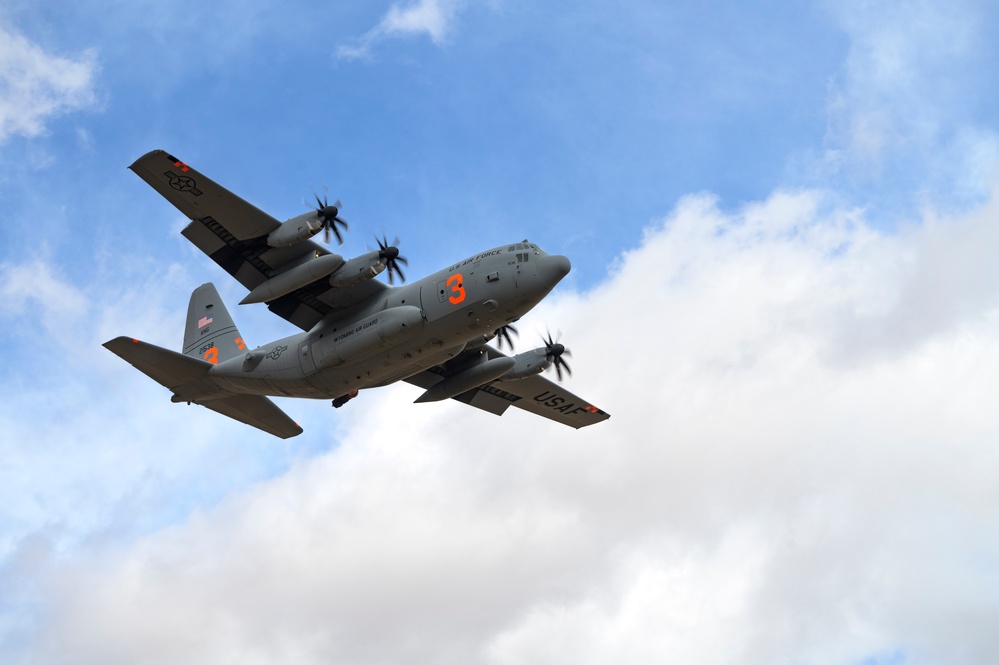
<point>433,18</point>
<point>36,86</point>
<point>92,451</point>
<point>800,467</point>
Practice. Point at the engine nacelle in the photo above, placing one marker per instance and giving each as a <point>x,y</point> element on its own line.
<point>466,379</point>
<point>294,278</point>
<point>358,269</point>
<point>528,364</point>
<point>295,230</point>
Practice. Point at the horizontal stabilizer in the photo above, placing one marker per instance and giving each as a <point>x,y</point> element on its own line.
<point>183,375</point>
<point>188,379</point>
<point>258,411</point>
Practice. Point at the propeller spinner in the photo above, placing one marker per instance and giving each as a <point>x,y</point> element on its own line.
<point>390,255</point>
<point>554,352</point>
<point>329,216</point>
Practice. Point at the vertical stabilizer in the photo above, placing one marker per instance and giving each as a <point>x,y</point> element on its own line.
<point>210,333</point>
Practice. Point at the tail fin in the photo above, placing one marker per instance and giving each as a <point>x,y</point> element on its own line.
<point>210,333</point>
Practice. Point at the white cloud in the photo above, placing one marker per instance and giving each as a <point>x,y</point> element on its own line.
<point>33,294</point>
<point>433,18</point>
<point>800,467</point>
<point>910,77</point>
<point>36,86</point>
<point>93,451</point>
<point>430,17</point>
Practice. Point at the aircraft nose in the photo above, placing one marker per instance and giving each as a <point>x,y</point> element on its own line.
<point>555,267</point>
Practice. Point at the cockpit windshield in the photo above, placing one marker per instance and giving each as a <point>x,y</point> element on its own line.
<point>527,247</point>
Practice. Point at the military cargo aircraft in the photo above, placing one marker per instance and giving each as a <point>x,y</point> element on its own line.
<point>358,332</point>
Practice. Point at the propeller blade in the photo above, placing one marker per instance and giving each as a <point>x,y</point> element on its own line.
<point>329,216</point>
<point>554,352</point>
<point>390,255</point>
<point>503,335</point>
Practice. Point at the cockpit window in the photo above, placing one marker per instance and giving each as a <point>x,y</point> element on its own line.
<point>526,247</point>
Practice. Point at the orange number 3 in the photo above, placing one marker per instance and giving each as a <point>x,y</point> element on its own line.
<point>212,355</point>
<point>457,290</point>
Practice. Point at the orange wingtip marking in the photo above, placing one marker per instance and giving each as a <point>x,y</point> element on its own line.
<point>135,340</point>
<point>182,166</point>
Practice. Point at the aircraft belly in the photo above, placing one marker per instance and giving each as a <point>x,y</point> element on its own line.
<point>412,362</point>
<point>383,369</point>
<point>297,387</point>
<point>300,388</point>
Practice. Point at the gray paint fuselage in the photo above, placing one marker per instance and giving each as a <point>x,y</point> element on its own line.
<point>457,306</point>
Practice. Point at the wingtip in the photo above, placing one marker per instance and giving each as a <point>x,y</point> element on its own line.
<point>117,341</point>
<point>148,155</point>
<point>295,432</point>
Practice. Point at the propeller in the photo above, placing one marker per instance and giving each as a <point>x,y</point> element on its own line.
<point>329,215</point>
<point>390,255</point>
<point>554,352</point>
<point>503,335</point>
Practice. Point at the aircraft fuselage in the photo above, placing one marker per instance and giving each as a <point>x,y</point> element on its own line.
<point>415,327</point>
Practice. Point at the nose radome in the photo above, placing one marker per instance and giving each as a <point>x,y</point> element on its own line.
<point>559,266</point>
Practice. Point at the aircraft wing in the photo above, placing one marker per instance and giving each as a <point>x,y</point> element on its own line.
<point>233,233</point>
<point>535,394</point>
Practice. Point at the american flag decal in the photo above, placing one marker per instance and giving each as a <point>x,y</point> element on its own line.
<point>204,321</point>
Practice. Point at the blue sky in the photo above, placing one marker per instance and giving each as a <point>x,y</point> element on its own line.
<point>520,121</point>
<point>782,224</point>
